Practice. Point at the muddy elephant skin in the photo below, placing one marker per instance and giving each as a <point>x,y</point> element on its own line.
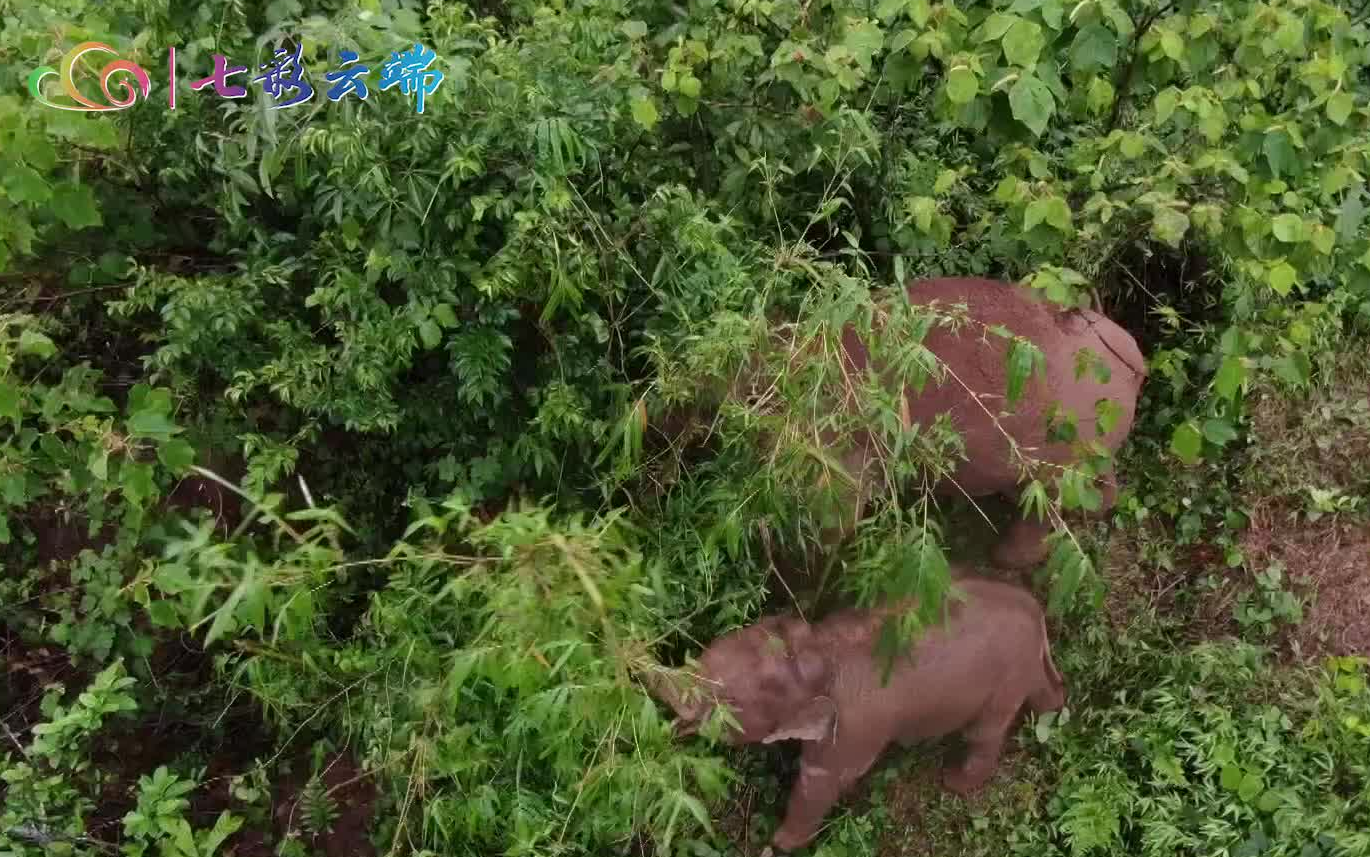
<point>783,679</point>
<point>977,362</point>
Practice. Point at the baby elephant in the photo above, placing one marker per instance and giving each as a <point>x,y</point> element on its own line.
<point>784,678</point>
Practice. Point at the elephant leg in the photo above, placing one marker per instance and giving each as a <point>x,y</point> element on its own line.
<point>1023,546</point>
<point>1046,696</point>
<point>826,772</point>
<point>1107,483</point>
<point>986,739</point>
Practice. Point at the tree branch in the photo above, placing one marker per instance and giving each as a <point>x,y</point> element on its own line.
<point>1124,81</point>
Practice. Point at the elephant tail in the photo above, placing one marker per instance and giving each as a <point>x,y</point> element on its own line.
<point>1052,695</point>
<point>1118,341</point>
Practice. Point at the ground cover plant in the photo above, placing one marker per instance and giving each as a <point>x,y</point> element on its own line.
<point>341,509</point>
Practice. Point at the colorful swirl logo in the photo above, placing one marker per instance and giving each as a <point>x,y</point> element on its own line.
<point>130,91</point>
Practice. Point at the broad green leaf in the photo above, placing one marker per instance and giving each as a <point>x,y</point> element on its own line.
<point>962,85</point>
<point>1032,103</point>
<point>644,112</point>
<point>1231,777</point>
<point>430,333</point>
<point>1323,239</point>
<point>1052,211</point>
<point>445,315</point>
<point>1282,278</point>
<point>1187,442</point>
<point>23,184</point>
<point>1023,358</point>
<point>864,40</point>
<point>1107,413</point>
<point>75,205</point>
<point>1290,35</point>
<point>1081,493</point>
<point>902,39</point>
<point>145,398</point>
<point>689,86</point>
<point>1095,48</point>
<point>922,209</point>
<point>1350,216</point>
<point>996,25</point>
<point>1022,43</point>
<point>163,614</point>
<point>1288,228</point>
<point>172,578</point>
<point>136,480</point>
<point>1231,375</point>
<point>226,825</point>
<point>1169,225</point>
<point>1100,95</point>
<point>1219,432</point>
<point>1172,45</point>
<point>1089,361</point>
<point>1214,125</point>
<point>35,343</point>
<point>1280,154</point>
<point>1251,786</point>
<point>1166,102</point>
<point>1295,369</point>
<point>1339,107</point>
<point>634,29</point>
<point>888,9</point>
<point>153,424</point>
<point>176,455</point>
<point>98,463</point>
<point>1052,11</point>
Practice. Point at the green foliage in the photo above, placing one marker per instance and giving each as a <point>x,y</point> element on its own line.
<point>1268,604</point>
<point>496,682</point>
<point>608,211</point>
<point>160,819</point>
<point>1206,759</point>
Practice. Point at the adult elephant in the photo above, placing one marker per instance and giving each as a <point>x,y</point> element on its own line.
<point>1087,358</point>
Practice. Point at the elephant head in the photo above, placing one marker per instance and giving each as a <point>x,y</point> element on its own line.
<point>772,678</point>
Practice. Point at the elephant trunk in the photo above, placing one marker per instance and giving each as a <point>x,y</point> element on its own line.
<point>664,688</point>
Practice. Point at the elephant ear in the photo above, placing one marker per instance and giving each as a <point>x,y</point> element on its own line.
<point>816,721</point>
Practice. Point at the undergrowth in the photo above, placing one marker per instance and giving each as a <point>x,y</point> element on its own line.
<point>341,506</point>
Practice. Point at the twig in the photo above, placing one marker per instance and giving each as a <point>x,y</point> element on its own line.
<point>44,836</point>
<point>1125,76</point>
<point>267,513</point>
<point>20,747</point>
<point>766,546</point>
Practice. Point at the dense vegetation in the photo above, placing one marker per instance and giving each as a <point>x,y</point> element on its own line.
<point>333,509</point>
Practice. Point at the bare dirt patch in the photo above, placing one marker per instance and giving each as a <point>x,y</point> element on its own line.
<point>1327,560</point>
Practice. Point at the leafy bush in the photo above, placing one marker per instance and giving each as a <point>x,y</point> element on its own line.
<point>1210,757</point>
<point>404,326</point>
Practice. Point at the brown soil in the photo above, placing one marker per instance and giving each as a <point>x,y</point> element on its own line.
<point>1139,590</point>
<point>353,795</point>
<point>237,745</point>
<point>1329,561</point>
<point>130,750</point>
<point>28,672</point>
